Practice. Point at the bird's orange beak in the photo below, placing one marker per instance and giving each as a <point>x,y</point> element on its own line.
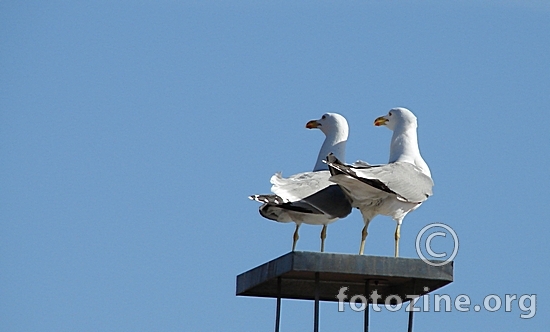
<point>380,121</point>
<point>312,124</point>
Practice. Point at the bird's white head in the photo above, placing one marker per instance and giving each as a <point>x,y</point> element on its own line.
<point>404,142</point>
<point>397,117</point>
<point>330,123</point>
<point>335,127</point>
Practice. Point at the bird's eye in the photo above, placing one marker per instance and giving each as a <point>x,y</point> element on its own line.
<point>390,114</point>
<point>324,117</point>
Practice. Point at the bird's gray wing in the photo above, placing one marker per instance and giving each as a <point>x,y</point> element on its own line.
<point>301,185</point>
<point>403,179</point>
<point>301,194</point>
<point>331,201</point>
<point>308,192</point>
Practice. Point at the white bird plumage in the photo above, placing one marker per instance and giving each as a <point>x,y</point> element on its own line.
<point>310,197</point>
<point>394,189</point>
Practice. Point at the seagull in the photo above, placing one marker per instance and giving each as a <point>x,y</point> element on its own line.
<point>310,197</point>
<point>394,189</point>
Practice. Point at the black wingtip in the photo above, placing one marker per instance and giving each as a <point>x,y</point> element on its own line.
<point>331,160</point>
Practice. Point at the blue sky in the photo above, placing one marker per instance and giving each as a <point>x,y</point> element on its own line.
<point>133,132</point>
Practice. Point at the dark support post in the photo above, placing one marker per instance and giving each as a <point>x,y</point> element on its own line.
<point>410,328</point>
<point>316,321</point>
<point>366,319</point>
<point>278,315</point>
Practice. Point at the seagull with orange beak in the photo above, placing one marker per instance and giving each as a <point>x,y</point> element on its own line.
<point>394,189</point>
<point>310,197</point>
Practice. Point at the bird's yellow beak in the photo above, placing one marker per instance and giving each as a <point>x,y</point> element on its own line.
<point>312,124</point>
<point>380,121</point>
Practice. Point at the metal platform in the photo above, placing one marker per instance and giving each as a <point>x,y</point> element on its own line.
<point>388,275</point>
<point>320,277</point>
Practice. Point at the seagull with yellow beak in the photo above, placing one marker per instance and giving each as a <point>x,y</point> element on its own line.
<point>394,189</point>
<point>310,197</point>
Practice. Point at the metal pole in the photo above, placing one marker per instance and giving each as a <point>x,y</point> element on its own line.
<point>410,328</point>
<point>278,315</point>
<point>366,319</point>
<point>316,318</point>
<point>410,321</point>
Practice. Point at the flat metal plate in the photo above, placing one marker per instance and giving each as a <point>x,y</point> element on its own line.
<point>387,275</point>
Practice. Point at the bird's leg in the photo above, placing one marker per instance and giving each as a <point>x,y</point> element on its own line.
<point>363,238</point>
<point>296,237</point>
<point>397,236</point>
<point>323,237</point>
<point>364,234</point>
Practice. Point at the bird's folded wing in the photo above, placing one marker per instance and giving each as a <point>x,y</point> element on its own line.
<point>301,185</point>
<point>404,179</point>
<point>312,189</point>
<point>331,201</point>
